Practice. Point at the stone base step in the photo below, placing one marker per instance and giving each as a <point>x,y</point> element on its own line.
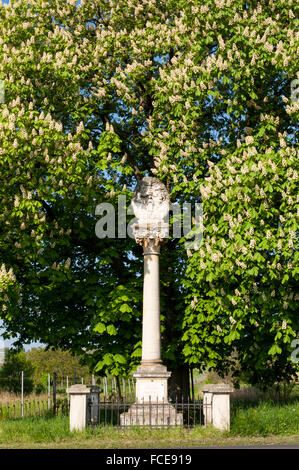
<point>151,415</point>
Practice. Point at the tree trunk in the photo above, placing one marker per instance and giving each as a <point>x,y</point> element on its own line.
<point>118,388</point>
<point>192,383</point>
<point>178,384</point>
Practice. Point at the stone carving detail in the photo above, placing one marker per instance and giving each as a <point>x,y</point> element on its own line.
<point>151,208</point>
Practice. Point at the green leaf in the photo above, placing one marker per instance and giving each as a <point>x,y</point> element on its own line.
<point>120,358</point>
<point>111,330</point>
<point>100,328</point>
<point>125,308</point>
<point>275,349</point>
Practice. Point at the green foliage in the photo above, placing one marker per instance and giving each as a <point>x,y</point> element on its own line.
<point>54,360</point>
<point>41,384</point>
<point>10,373</point>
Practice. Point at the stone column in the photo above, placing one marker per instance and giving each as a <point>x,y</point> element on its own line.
<point>151,337</point>
<point>78,409</point>
<point>151,206</point>
<point>216,400</point>
<point>151,376</point>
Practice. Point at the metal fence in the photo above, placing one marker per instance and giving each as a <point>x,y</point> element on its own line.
<point>127,413</point>
<point>118,412</point>
<point>115,405</point>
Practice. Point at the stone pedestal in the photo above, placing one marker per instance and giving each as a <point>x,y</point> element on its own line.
<point>151,383</point>
<point>151,407</point>
<point>216,402</point>
<point>158,415</point>
<point>78,406</point>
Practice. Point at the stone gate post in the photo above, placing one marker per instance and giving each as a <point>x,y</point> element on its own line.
<point>216,403</point>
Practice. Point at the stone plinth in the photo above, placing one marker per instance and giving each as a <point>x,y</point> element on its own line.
<point>216,401</point>
<point>151,383</point>
<point>151,407</point>
<point>78,406</point>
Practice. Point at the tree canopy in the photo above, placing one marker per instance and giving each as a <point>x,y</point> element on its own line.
<point>197,93</point>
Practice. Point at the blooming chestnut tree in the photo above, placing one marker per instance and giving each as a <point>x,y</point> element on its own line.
<point>196,93</point>
<point>244,276</point>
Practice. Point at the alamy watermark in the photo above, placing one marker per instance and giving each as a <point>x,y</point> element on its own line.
<point>184,221</point>
<point>295,90</point>
<point>295,353</point>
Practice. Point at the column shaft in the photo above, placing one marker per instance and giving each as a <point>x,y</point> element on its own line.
<point>151,336</point>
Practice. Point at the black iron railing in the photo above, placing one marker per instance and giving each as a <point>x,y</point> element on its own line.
<point>125,412</point>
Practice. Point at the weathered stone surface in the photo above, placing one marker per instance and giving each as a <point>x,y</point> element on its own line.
<point>78,396</point>
<point>151,370</point>
<point>151,383</point>
<point>150,203</point>
<point>78,389</point>
<point>217,388</point>
<point>217,399</point>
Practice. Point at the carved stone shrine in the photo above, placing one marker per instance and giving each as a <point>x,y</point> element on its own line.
<point>151,208</point>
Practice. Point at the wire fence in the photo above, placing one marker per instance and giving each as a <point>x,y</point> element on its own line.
<point>30,408</point>
<point>108,385</point>
<point>17,401</point>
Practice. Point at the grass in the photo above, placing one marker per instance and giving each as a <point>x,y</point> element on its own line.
<point>53,432</point>
<point>255,419</point>
<point>264,422</point>
<point>265,418</point>
<point>256,413</point>
<point>32,408</point>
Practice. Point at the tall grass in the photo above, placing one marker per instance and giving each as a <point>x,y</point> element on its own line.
<point>35,429</point>
<point>263,413</point>
<point>265,418</point>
